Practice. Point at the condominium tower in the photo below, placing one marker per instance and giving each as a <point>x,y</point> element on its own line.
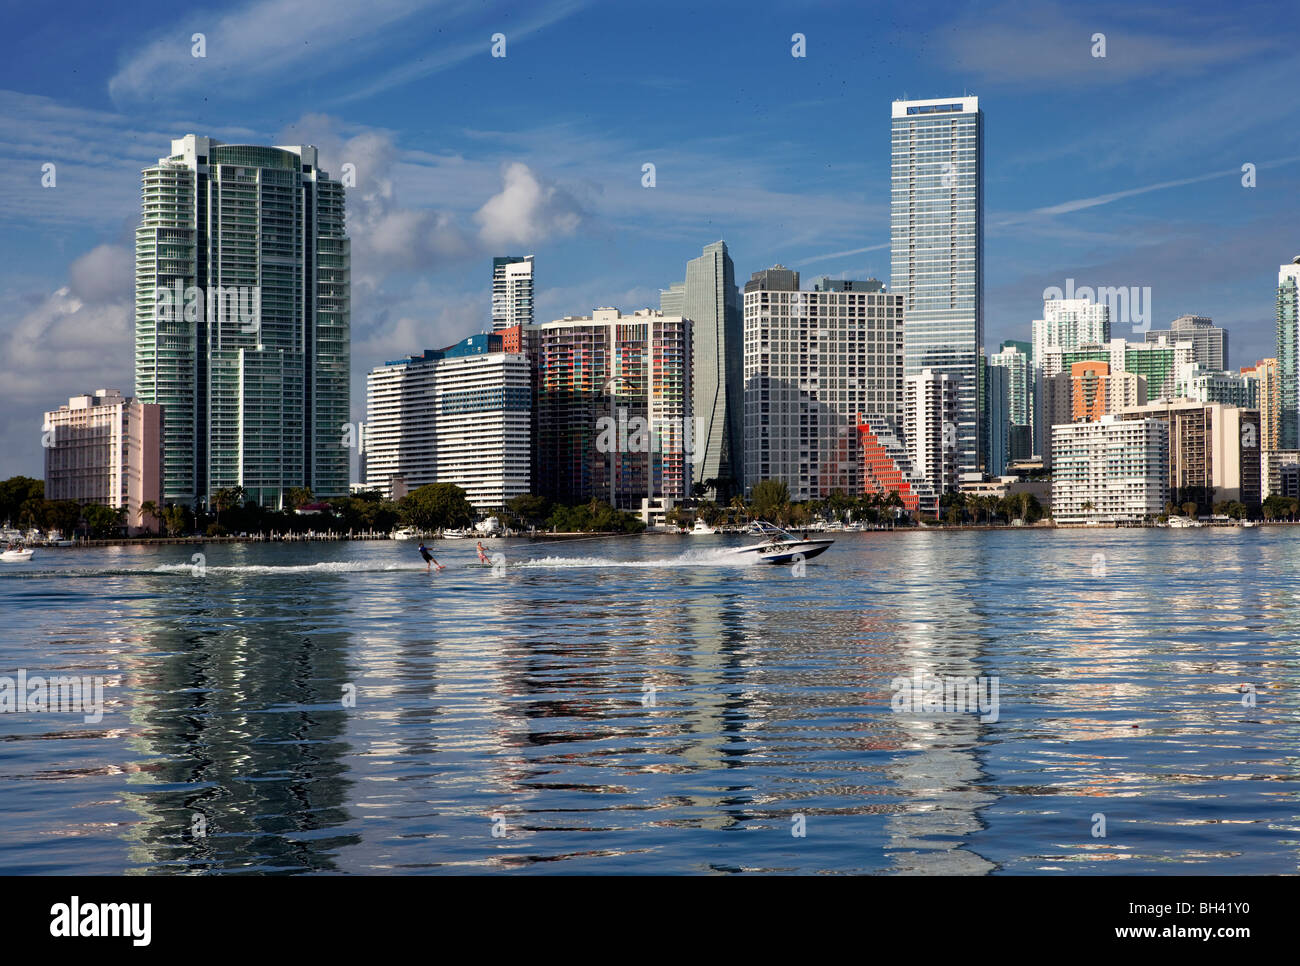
<point>512,291</point>
<point>614,408</point>
<point>1209,342</point>
<point>936,249</point>
<point>242,330</point>
<point>458,415</point>
<point>710,299</point>
<point>817,365</point>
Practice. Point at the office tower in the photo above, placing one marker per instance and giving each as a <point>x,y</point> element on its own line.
<point>1214,451</point>
<point>817,365</point>
<point>1014,357</point>
<point>1288,354</point>
<point>458,415</point>
<point>512,291</point>
<point>936,249</point>
<point>710,299</point>
<point>931,407</point>
<point>1268,400</point>
<point>106,448</point>
<point>1109,471</point>
<point>997,417</point>
<point>1209,342</point>
<point>242,330</point>
<point>614,408</point>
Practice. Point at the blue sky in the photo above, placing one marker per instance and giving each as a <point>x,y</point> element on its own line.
<point>1123,170</point>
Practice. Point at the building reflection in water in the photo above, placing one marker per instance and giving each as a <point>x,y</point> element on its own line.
<point>238,725</point>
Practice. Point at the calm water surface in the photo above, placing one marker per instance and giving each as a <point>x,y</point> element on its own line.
<point>634,706</point>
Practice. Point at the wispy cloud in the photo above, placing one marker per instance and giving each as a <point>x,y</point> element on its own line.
<point>1042,43</point>
<point>286,42</point>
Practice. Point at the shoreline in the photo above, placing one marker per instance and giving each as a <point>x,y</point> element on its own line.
<point>571,536</point>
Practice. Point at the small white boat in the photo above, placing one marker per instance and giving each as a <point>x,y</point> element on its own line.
<point>16,555</point>
<point>782,546</point>
<point>702,529</point>
<point>404,533</point>
<point>456,534</point>
<point>1250,523</point>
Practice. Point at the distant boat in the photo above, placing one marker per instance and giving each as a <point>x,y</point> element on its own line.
<point>16,555</point>
<point>1250,523</point>
<point>456,534</point>
<point>404,533</point>
<point>781,546</point>
<point>702,529</point>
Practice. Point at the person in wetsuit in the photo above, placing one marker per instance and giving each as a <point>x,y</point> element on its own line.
<point>428,559</point>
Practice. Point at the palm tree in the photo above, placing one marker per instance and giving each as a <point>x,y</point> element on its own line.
<point>148,509</point>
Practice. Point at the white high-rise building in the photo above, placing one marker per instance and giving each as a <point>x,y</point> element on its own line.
<point>1109,471</point>
<point>817,365</point>
<point>458,415</point>
<point>931,406</point>
<point>243,320</point>
<point>936,223</point>
<point>512,291</point>
<point>1069,324</point>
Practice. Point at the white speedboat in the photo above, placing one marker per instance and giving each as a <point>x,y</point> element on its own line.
<point>16,555</point>
<point>781,546</point>
<point>404,533</point>
<point>702,529</point>
<point>456,534</point>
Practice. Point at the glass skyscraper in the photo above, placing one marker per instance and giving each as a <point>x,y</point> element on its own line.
<point>710,299</point>
<point>936,250</point>
<point>1288,354</point>
<point>242,330</point>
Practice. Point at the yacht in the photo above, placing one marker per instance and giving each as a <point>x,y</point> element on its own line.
<point>456,534</point>
<point>404,533</point>
<point>781,546</point>
<point>702,529</point>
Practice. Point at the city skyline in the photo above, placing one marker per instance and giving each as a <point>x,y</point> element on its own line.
<point>432,204</point>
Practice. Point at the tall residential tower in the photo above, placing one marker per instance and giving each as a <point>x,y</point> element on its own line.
<point>242,320</point>
<point>512,291</point>
<point>936,250</point>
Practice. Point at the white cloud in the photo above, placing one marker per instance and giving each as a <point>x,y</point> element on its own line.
<point>526,211</point>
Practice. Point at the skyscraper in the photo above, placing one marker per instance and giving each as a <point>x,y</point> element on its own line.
<point>1209,342</point>
<point>614,401</point>
<point>512,291</point>
<point>710,299</point>
<point>818,365</point>
<point>1288,354</point>
<point>1015,358</point>
<point>242,329</point>
<point>936,250</point>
